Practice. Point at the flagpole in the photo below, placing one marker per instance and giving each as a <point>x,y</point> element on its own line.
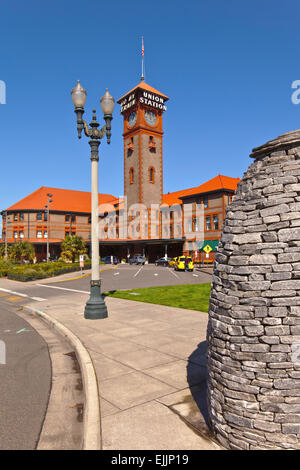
<point>142,78</point>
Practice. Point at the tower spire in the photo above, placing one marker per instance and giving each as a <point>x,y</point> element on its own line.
<point>142,77</point>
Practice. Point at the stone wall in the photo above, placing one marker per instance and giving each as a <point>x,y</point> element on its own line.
<point>254,317</point>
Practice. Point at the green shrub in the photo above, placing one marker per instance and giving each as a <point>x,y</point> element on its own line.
<point>31,272</point>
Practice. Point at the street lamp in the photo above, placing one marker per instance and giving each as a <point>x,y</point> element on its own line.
<point>47,207</point>
<point>95,307</point>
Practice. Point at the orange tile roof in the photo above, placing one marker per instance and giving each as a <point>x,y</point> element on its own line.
<point>144,86</point>
<point>66,200</point>
<point>217,183</point>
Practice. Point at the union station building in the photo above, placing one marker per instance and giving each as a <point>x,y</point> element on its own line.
<point>145,220</point>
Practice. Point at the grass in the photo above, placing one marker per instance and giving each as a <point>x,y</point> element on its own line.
<point>189,296</point>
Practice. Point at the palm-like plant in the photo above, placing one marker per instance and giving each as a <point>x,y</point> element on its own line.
<point>21,252</point>
<point>72,247</point>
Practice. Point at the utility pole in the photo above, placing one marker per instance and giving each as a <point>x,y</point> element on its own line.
<point>48,224</point>
<point>5,255</point>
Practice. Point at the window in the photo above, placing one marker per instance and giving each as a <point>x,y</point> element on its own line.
<point>67,218</point>
<point>16,218</point>
<point>215,222</point>
<point>21,217</point>
<point>90,219</point>
<point>73,234</point>
<point>46,216</point>
<point>196,224</point>
<point>212,222</point>
<point>39,234</point>
<point>131,175</point>
<point>67,233</point>
<point>208,223</point>
<point>39,216</point>
<point>205,202</point>
<point>151,175</point>
<point>190,225</point>
<point>45,234</point>
<point>73,219</point>
<point>152,144</point>
<point>21,234</point>
<point>15,234</point>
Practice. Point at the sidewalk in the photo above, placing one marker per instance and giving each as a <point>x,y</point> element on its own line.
<point>150,364</point>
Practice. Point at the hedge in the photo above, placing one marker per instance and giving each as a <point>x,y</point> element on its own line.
<point>30,272</point>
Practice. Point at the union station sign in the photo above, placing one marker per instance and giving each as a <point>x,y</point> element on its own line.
<point>150,99</point>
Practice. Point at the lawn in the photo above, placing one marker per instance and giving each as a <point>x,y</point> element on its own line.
<point>189,296</point>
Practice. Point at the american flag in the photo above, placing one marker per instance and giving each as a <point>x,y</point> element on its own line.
<point>142,48</point>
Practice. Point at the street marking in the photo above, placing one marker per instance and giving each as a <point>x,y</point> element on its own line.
<point>15,299</point>
<point>138,271</point>
<point>155,274</point>
<point>17,296</point>
<point>63,288</point>
<point>195,275</point>
<point>173,272</point>
<point>12,292</point>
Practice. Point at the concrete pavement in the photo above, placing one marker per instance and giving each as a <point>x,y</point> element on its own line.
<point>150,365</point>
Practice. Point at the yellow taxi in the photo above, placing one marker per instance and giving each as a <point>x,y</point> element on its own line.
<point>184,263</point>
<point>172,262</point>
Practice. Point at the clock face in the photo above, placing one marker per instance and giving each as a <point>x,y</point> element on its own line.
<point>132,119</point>
<point>150,118</point>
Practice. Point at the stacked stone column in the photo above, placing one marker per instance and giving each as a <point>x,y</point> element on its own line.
<point>254,317</point>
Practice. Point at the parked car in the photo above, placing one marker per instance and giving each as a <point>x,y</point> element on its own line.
<point>109,260</point>
<point>162,262</point>
<point>137,259</point>
<point>184,263</point>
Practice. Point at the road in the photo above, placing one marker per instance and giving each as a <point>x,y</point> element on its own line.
<point>25,381</point>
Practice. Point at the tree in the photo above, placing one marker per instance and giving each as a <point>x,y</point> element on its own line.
<point>21,252</point>
<point>72,247</point>
<point>2,251</point>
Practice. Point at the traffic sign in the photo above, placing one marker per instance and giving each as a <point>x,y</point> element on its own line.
<point>207,249</point>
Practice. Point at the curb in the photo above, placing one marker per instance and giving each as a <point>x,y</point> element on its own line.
<point>91,417</point>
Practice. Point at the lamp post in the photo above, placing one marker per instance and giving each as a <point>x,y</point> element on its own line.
<point>95,307</point>
<point>5,253</point>
<point>47,207</point>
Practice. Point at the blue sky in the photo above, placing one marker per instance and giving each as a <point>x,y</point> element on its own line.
<point>227,67</point>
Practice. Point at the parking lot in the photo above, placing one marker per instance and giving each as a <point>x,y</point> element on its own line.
<point>124,276</point>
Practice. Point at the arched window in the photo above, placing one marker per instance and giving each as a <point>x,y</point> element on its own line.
<point>151,175</point>
<point>131,175</point>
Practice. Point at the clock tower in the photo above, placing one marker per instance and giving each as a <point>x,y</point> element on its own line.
<point>142,109</point>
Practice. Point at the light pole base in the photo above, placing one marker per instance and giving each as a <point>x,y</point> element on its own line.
<point>95,307</point>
